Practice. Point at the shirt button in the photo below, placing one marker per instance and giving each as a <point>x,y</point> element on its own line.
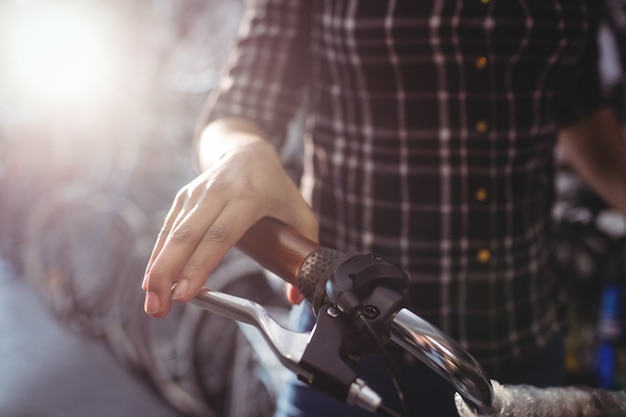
<point>480,63</point>
<point>485,1</point>
<point>481,126</point>
<point>483,255</point>
<point>481,194</point>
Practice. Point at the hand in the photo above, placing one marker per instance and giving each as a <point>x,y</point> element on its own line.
<point>530,401</point>
<point>464,410</point>
<point>210,214</point>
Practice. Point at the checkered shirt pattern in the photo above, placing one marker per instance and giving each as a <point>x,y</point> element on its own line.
<point>430,134</point>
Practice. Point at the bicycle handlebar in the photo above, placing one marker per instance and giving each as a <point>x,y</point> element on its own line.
<point>309,266</point>
<point>292,257</point>
<point>277,248</point>
<point>318,273</point>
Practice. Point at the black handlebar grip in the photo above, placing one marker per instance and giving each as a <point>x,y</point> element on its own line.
<point>315,271</point>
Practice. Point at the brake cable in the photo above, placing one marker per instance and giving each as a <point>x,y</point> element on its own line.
<point>396,378</point>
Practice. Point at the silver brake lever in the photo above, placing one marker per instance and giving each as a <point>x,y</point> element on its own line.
<point>418,337</point>
<point>287,345</point>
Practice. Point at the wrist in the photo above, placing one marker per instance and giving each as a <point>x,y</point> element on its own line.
<point>225,136</point>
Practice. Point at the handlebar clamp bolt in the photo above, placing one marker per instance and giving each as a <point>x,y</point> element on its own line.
<point>371,312</point>
<point>333,312</point>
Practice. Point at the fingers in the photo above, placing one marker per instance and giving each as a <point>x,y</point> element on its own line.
<point>192,249</point>
<point>461,407</point>
<point>211,214</point>
<point>163,235</point>
<point>181,235</point>
<point>225,231</point>
<point>293,295</point>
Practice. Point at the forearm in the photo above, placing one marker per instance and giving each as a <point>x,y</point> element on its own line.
<point>596,149</point>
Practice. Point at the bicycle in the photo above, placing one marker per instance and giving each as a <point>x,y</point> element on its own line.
<point>359,301</point>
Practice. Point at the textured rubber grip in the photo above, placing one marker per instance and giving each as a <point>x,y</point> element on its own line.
<point>315,271</point>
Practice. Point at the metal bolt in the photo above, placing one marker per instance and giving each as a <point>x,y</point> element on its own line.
<point>333,312</point>
<point>371,312</point>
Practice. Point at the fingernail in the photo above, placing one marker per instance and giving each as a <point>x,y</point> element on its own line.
<point>152,304</point>
<point>180,291</point>
<point>144,282</point>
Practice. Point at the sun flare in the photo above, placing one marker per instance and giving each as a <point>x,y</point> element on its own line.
<point>58,54</point>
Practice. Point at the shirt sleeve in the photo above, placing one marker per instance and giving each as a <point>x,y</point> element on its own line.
<point>265,77</point>
<point>582,91</point>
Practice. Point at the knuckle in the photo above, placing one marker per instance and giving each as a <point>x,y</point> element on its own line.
<point>217,235</point>
<point>191,269</point>
<point>181,234</point>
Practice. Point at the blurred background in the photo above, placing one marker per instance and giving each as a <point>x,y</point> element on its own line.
<point>98,102</point>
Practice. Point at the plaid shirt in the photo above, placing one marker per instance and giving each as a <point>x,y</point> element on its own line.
<point>430,141</point>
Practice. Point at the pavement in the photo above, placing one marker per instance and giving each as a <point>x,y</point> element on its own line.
<point>48,370</point>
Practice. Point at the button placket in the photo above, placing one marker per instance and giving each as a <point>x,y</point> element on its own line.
<point>481,194</point>
<point>481,126</point>
<point>483,255</point>
<point>481,63</point>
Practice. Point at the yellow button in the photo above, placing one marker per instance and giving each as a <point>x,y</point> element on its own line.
<point>481,126</point>
<point>485,1</point>
<point>481,194</point>
<point>480,63</point>
<point>483,255</point>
